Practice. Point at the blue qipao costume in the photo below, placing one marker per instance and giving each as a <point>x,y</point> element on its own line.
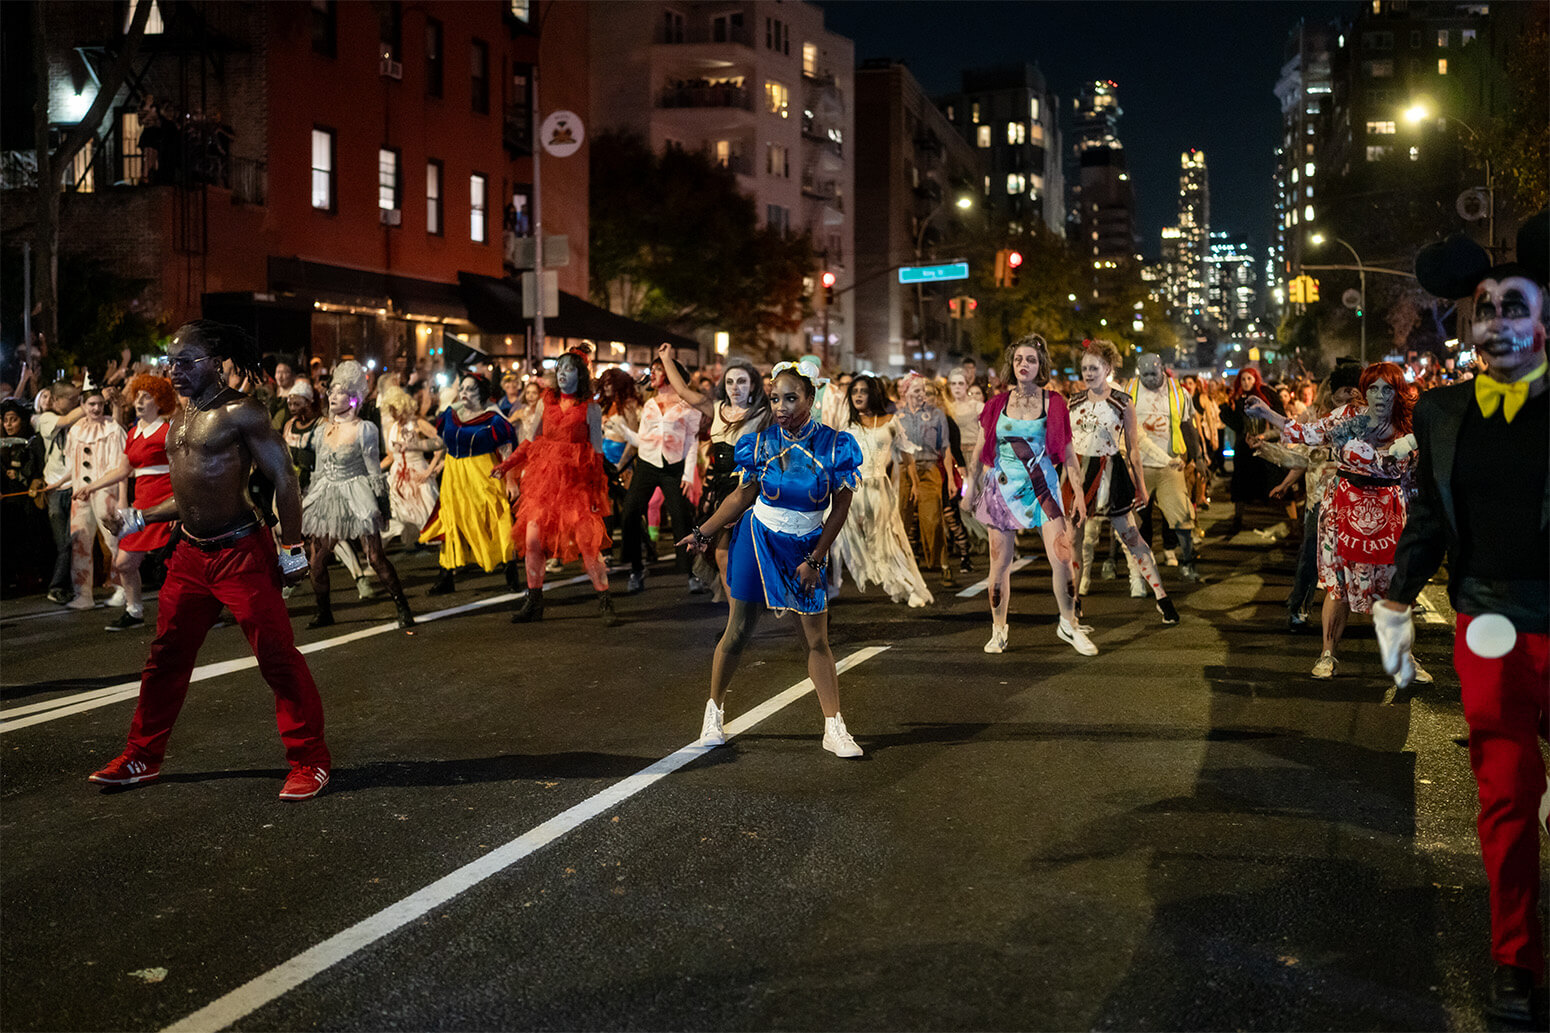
<point>796,474</point>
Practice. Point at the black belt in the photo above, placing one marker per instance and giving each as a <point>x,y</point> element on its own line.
<point>1363,481</point>
<point>219,541</point>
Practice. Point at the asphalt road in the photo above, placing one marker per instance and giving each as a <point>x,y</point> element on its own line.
<point>1185,832</point>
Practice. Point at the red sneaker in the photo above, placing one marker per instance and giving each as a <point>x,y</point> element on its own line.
<point>127,769</point>
<point>305,782</point>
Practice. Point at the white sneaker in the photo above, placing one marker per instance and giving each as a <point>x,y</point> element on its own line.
<point>916,600</point>
<point>1325,668</point>
<point>1421,676</point>
<point>837,740</point>
<point>1170,557</point>
<point>711,733</point>
<point>117,598</point>
<point>552,565</point>
<point>1137,585</point>
<point>998,636</point>
<point>80,602</point>
<point>1076,637</point>
<point>363,587</point>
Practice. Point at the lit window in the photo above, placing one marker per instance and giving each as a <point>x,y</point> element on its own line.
<point>387,178</point>
<point>478,230</point>
<point>1307,170</point>
<point>1307,213</point>
<point>323,170</point>
<point>777,99</point>
<point>1033,108</point>
<point>1015,183</point>
<point>1442,37</point>
<point>987,186</point>
<point>982,135</point>
<point>1378,153</point>
<point>1310,190</point>
<point>809,59</point>
<point>433,197</point>
<point>1016,132</point>
<point>1036,133</point>
<point>1468,36</point>
<point>1415,154</point>
<point>1294,217</point>
<point>1442,66</point>
<point>1294,175</point>
<point>153,22</point>
<point>952,113</point>
<point>974,112</point>
<point>1380,128</point>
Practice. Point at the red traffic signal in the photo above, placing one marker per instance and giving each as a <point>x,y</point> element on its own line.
<point>828,278</point>
<point>1014,259</point>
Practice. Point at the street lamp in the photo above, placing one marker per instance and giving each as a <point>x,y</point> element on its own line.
<point>963,202</point>
<point>1361,271</point>
<point>1417,113</point>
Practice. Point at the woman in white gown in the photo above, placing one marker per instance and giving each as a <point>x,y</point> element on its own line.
<point>411,479</point>
<point>872,545</point>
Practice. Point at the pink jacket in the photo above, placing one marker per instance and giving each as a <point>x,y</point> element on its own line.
<point>1057,426</point>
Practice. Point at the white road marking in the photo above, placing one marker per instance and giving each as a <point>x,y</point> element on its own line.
<point>1430,614</point>
<point>980,586</point>
<point>270,986</point>
<point>16,718</point>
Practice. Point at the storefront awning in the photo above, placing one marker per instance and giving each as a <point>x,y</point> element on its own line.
<point>495,306</point>
<point>408,295</point>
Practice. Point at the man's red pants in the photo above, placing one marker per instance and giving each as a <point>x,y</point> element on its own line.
<point>246,578</point>
<point>1507,705</point>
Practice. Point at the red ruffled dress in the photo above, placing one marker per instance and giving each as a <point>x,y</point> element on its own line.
<point>147,454</point>
<point>563,484</point>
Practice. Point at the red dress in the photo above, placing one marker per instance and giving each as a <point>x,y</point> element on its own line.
<point>563,484</point>
<point>147,455</point>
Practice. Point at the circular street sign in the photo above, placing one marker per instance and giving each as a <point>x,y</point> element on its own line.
<point>562,133</point>
<point>1351,299</point>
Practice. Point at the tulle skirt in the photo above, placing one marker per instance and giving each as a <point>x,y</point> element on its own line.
<point>565,495</point>
<point>341,509</point>
<point>472,519</point>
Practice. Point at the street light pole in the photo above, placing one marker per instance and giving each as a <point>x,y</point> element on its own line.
<point>963,203</point>
<point>1415,113</point>
<point>1361,272</point>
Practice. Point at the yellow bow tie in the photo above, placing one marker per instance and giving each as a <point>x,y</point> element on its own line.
<point>1490,393</point>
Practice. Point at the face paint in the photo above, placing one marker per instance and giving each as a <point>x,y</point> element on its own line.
<point>468,393</point>
<point>338,400</point>
<point>1508,328</point>
<point>860,395</point>
<point>739,386</point>
<point>1150,368</point>
<point>567,377</point>
<point>145,406</point>
<point>1025,366</point>
<point>1380,401</point>
<point>959,388</point>
<point>1094,371</point>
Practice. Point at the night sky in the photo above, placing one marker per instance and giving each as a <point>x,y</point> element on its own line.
<point>1190,74</point>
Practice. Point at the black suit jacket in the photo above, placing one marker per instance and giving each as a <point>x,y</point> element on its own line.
<point>1431,525</point>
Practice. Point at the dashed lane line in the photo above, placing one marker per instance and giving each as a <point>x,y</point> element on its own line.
<point>258,992</point>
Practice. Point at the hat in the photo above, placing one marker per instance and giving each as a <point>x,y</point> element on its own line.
<point>1348,373</point>
<point>1452,268</point>
<point>302,389</point>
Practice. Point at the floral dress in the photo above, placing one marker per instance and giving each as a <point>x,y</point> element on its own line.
<point>1364,510</point>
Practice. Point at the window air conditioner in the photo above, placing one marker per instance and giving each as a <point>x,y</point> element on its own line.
<point>390,69</point>
<point>392,216</point>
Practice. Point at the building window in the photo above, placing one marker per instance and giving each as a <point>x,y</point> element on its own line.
<point>478,191</point>
<point>777,98</point>
<point>479,76</point>
<point>775,218</point>
<point>1415,154</point>
<point>952,114</point>
<point>1442,66</point>
<point>1294,175</point>
<point>323,170</point>
<point>390,29</point>
<point>1467,36</point>
<point>325,28</point>
<point>1415,40</point>
<point>810,59</point>
<point>388,195</point>
<point>777,161</point>
<point>433,58</point>
<point>1015,183</point>
<point>1442,37</point>
<point>131,162</point>
<point>974,112</point>
<point>1036,133</point>
<point>1016,132</point>
<point>728,28</point>
<point>154,26</point>
<point>1033,108</point>
<point>521,10</point>
<point>1378,153</point>
<point>1307,170</point>
<point>1377,41</point>
<point>777,36</point>
<point>1380,128</point>
<point>433,173</point>
<point>1383,69</point>
<point>672,27</point>
<point>982,136</point>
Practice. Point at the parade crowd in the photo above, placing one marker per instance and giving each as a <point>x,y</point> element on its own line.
<point>770,488</point>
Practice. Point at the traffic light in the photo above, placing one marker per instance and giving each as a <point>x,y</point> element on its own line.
<point>961,306</point>
<point>828,288</point>
<point>1310,288</point>
<point>1014,264</point>
<point>1294,290</point>
<point>952,308</point>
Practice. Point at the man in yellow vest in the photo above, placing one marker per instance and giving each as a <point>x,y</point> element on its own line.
<point>1165,417</point>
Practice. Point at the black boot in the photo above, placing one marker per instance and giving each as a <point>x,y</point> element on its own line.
<point>325,615</point>
<point>515,575</point>
<point>405,617</point>
<point>605,609</point>
<point>443,585</point>
<point>532,608</point>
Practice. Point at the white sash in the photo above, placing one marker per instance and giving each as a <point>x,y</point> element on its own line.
<point>787,521</point>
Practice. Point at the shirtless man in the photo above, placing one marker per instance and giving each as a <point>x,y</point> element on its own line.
<point>224,555</point>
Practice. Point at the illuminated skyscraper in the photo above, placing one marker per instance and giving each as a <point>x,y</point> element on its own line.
<point>1194,234</point>
<point>1104,203</point>
<point>1009,115</point>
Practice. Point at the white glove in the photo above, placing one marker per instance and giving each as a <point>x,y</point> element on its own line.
<point>291,562</point>
<point>134,520</point>
<point>1396,637</point>
<point>1403,447</point>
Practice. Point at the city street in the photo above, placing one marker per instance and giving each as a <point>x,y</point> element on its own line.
<point>1185,832</point>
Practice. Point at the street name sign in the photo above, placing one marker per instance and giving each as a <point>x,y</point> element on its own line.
<point>933,273</point>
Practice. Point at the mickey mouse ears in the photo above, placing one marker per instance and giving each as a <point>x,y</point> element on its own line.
<point>1452,268</point>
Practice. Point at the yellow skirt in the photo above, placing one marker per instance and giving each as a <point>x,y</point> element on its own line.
<point>473,518</point>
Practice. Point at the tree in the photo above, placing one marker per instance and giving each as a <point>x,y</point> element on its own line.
<point>52,160</point>
<point>673,242</point>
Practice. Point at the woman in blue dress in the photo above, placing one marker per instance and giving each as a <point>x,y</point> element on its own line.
<point>791,472</point>
<point>1014,485</point>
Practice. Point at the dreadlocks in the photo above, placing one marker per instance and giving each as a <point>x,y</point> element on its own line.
<point>225,341</point>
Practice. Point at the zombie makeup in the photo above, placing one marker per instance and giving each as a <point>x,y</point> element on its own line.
<point>738,385</point>
<point>1025,365</point>
<point>1150,370</point>
<point>1508,326</point>
<point>1094,371</point>
<point>567,376</point>
<point>468,394</point>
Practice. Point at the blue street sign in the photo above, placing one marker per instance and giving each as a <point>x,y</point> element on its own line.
<point>932,273</point>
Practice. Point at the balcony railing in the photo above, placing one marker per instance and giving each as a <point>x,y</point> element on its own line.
<point>740,164</point>
<point>706,97</point>
<point>704,34</point>
<point>249,180</point>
